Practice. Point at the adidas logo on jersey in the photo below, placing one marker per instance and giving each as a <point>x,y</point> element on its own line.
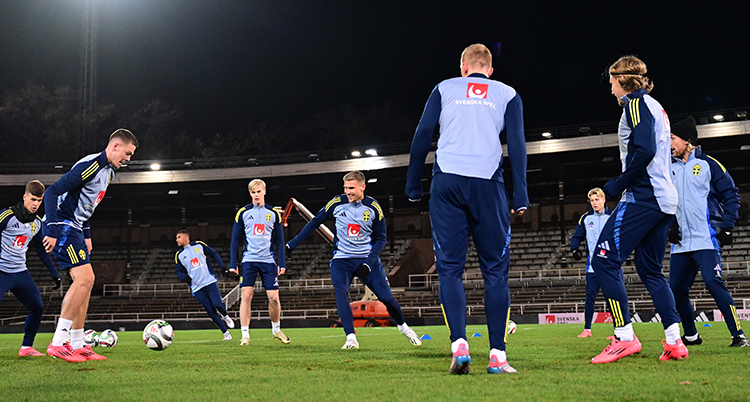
<point>603,248</point>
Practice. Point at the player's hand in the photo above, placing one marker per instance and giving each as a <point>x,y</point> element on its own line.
<point>281,270</point>
<point>414,193</point>
<point>520,211</point>
<point>287,251</point>
<point>362,271</point>
<point>49,243</point>
<point>609,188</point>
<point>235,271</point>
<point>577,255</point>
<point>675,237</point>
<point>725,236</point>
<point>58,283</point>
<point>89,244</point>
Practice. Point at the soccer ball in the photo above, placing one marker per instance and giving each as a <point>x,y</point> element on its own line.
<point>158,335</point>
<point>90,338</point>
<point>107,338</point>
<point>512,327</point>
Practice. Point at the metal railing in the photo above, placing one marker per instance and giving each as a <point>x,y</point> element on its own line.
<point>427,280</point>
<point>332,314</point>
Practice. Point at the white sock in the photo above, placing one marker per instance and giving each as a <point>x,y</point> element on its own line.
<point>76,338</point>
<point>25,347</point>
<point>457,343</point>
<point>691,338</point>
<point>403,327</point>
<point>500,355</point>
<point>350,337</point>
<point>672,333</point>
<point>245,331</point>
<point>62,332</point>
<point>741,336</point>
<point>275,326</point>
<point>625,333</point>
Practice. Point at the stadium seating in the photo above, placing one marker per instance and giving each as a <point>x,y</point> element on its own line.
<point>543,278</point>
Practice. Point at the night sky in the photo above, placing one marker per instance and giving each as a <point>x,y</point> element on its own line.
<point>226,63</point>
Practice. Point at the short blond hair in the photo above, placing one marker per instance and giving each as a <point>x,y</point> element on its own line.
<point>630,73</point>
<point>256,183</point>
<point>355,175</point>
<point>596,191</point>
<point>477,56</point>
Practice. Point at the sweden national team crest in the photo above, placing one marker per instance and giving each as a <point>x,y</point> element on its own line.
<point>82,254</point>
<point>478,91</point>
<point>696,170</point>
<point>268,217</point>
<point>34,227</point>
<point>366,216</point>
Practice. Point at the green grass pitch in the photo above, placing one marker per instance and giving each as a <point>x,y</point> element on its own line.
<point>553,365</point>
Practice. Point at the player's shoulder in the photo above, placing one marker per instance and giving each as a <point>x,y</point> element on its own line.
<point>337,200</point>
<point>240,212</point>
<point>272,209</point>
<point>586,214</point>
<point>200,242</point>
<point>373,203</point>
<point>89,165</point>
<point>6,213</point>
<point>712,162</point>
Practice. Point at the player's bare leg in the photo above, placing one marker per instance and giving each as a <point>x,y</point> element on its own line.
<point>274,310</point>
<point>247,298</point>
<point>73,313</point>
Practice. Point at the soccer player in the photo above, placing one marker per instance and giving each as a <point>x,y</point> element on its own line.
<point>359,238</point>
<point>258,227</point>
<point>19,226</point>
<point>703,184</point>
<point>468,195</point>
<point>641,220</point>
<point>589,227</point>
<point>69,204</point>
<point>194,268</point>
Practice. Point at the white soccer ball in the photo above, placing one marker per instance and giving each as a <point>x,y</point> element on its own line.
<point>107,338</point>
<point>158,335</point>
<point>512,327</point>
<point>90,338</point>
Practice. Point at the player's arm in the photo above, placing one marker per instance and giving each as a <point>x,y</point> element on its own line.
<point>323,215</point>
<point>379,237</point>
<point>643,138</point>
<point>421,144</point>
<point>80,174</point>
<point>5,216</point>
<point>579,234</point>
<point>726,192</point>
<point>517,152</point>
<point>46,259</point>
<point>87,236</point>
<point>277,237</point>
<point>207,250</point>
<point>180,270</point>
<point>238,235</point>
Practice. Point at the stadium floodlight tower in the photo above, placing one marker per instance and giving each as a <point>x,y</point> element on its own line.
<point>88,79</point>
